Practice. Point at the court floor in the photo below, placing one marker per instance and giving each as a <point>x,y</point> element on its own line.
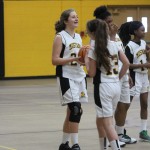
<point>31,117</point>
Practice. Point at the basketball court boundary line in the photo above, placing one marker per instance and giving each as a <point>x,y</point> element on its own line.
<point>7,148</point>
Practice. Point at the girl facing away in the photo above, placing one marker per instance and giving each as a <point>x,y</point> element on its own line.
<point>136,51</point>
<point>70,75</point>
<point>102,64</point>
<point>102,12</point>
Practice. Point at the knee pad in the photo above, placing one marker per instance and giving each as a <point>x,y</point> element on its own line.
<point>75,112</point>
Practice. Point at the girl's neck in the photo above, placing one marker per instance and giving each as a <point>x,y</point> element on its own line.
<point>136,39</point>
<point>71,32</point>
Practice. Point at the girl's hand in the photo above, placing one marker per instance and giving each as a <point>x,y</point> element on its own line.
<point>77,59</point>
<point>81,63</point>
<point>113,29</point>
<point>147,50</point>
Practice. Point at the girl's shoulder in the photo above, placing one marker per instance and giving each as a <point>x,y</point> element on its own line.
<point>143,42</point>
<point>61,33</point>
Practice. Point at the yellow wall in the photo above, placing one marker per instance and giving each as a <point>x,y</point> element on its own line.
<point>106,2</point>
<point>29,31</point>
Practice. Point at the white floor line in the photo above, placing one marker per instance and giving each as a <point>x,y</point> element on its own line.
<point>7,148</point>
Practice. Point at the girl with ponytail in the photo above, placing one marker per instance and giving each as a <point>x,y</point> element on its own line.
<point>135,50</point>
<point>102,64</point>
<point>103,13</point>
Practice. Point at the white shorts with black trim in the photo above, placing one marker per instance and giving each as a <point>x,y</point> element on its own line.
<point>106,97</point>
<point>125,90</point>
<point>72,91</point>
<point>141,84</point>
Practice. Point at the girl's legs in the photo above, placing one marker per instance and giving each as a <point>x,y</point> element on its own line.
<point>144,115</point>
<point>102,135</point>
<point>66,128</point>
<point>144,104</point>
<point>74,132</point>
<point>106,129</point>
<point>74,120</point>
<point>66,133</point>
<point>70,129</point>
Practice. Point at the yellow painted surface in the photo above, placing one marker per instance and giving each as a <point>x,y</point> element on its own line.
<point>29,31</point>
<point>106,2</point>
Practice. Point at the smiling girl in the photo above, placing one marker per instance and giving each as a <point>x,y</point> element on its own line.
<point>70,75</point>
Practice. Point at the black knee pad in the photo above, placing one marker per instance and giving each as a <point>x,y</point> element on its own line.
<point>75,112</point>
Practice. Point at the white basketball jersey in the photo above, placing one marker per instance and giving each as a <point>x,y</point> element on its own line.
<point>102,75</point>
<point>71,47</point>
<point>121,47</point>
<point>139,57</point>
<point>119,44</point>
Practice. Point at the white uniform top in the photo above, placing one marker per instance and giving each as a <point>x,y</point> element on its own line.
<point>139,57</point>
<point>71,47</point>
<point>120,45</point>
<point>101,74</point>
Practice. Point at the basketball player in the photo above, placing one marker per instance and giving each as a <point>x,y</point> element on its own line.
<point>102,64</point>
<point>70,75</point>
<point>101,12</point>
<point>136,52</point>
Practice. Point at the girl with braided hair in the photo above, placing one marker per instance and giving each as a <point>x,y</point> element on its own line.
<point>135,50</point>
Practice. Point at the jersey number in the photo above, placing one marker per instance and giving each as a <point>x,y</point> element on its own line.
<point>74,63</point>
<point>114,61</point>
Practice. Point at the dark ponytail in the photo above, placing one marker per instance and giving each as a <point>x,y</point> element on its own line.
<point>99,28</point>
<point>127,29</point>
<point>124,33</point>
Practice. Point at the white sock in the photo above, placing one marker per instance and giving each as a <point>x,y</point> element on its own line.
<point>103,143</point>
<point>143,124</point>
<point>66,137</point>
<point>119,129</point>
<point>115,145</point>
<point>74,138</point>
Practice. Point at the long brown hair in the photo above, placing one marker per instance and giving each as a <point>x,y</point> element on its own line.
<point>60,24</point>
<point>99,29</point>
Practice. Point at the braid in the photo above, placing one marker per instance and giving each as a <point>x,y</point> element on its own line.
<point>127,29</point>
<point>124,33</point>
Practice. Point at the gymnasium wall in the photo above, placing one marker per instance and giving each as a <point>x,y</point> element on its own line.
<point>29,32</point>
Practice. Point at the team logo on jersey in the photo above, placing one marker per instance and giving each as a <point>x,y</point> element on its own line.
<point>82,94</point>
<point>139,53</point>
<point>74,45</point>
